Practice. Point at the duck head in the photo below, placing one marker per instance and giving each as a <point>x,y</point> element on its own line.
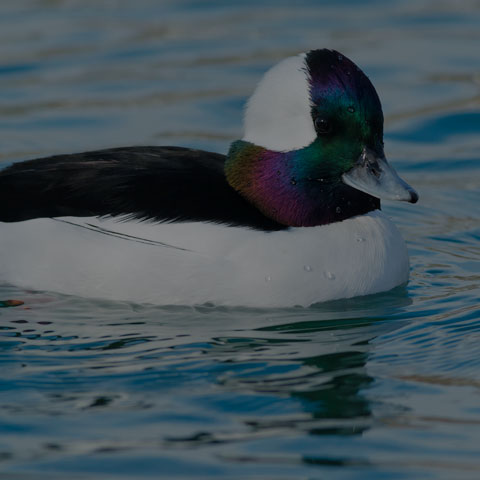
<point>312,152</point>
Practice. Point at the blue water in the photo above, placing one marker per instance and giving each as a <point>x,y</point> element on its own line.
<point>380,387</point>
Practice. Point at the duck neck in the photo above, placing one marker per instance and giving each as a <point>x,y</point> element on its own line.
<point>287,189</point>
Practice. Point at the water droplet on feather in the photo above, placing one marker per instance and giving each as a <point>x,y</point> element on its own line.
<point>307,268</point>
<point>351,109</point>
<point>329,275</point>
<point>268,278</point>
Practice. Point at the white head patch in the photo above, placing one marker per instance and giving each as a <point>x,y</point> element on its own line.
<point>278,116</point>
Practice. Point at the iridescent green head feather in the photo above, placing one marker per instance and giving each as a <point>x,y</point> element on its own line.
<point>313,146</point>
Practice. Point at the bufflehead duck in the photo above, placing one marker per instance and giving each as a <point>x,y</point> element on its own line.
<point>291,216</point>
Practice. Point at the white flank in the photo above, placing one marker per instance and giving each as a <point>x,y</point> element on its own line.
<point>223,265</point>
<point>278,116</point>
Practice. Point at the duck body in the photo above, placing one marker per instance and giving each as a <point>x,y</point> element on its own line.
<point>198,262</point>
<point>291,216</point>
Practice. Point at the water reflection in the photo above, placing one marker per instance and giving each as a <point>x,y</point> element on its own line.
<point>313,372</point>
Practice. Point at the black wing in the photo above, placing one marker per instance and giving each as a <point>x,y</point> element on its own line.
<point>159,184</point>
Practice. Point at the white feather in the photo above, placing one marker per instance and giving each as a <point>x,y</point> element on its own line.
<point>223,265</point>
<point>278,116</point>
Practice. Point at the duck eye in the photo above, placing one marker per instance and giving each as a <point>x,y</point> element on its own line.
<point>322,126</point>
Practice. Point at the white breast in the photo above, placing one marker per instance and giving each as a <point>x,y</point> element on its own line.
<point>194,263</point>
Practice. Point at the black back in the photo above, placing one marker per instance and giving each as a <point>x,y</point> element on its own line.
<point>159,184</point>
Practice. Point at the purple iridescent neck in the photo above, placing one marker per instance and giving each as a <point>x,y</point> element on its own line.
<point>285,188</point>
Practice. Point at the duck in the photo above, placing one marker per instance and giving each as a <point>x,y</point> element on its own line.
<point>291,216</point>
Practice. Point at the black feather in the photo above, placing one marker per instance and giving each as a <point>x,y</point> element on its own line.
<point>159,184</point>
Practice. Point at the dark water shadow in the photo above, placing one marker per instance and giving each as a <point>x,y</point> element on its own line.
<point>315,358</point>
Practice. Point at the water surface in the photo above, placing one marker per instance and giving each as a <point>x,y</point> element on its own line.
<point>385,386</point>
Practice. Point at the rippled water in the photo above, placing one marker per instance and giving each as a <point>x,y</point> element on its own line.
<point>386,386</point>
